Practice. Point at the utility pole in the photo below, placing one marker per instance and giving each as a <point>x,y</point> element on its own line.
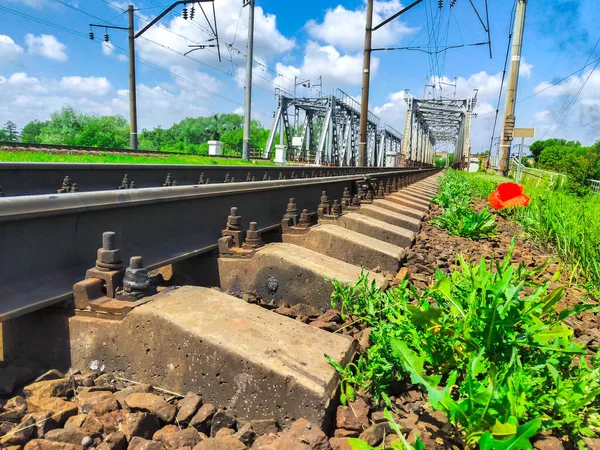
<point>364,106</point>
<point>248,87</point>
<point>511,90</point>
<point>132,35</point>
<point>364,103</point>
<point>132,89</point>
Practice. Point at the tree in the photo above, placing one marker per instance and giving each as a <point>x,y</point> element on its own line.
<point>62,128</point>
<point>31,132</point>
<point>10,132</point>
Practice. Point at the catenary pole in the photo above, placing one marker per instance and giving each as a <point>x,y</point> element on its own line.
<point>248,86</point>
<point>364,105</point>
<point>132,83</point>
<point>511,90</point>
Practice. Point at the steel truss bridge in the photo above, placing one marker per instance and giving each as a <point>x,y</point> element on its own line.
<point>329,132</point>
<point>430,122</point>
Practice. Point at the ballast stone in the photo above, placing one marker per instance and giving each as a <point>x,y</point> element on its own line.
<point>253,362</point>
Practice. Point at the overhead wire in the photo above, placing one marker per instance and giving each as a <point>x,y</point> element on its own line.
<point>125,52</point>
<point>568,102</point>
<point>510,35</point>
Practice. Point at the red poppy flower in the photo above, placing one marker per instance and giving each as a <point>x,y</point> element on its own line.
<point>508,194</point>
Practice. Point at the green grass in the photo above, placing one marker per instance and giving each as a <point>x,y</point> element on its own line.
<point>111,158</point>
<point>554,217</point>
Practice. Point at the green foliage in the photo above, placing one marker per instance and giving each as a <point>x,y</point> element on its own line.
<point>111,158</point>
<point>457,217</point>
<point>31,132</point>
<point>10,132</point>
<point>488,346</point>
<point>70,127</point>
<point>357,444</point>
<point>567,222</point>
<point>580,163</point>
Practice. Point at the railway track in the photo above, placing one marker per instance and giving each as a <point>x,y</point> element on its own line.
<point>46,178</point>
<point>275,242</point>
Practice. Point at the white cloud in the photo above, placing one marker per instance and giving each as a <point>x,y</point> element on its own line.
<point>393,112</point>
<point>525,69</point>
<point>95,86</point>
<point>574,117</point>
<point>24,98</point>
<point>345,28</point>
<point>543,117</point>
<point>46,45</point>
<point>10,52</point>
<point>269,42</point>
<point>337,70</point>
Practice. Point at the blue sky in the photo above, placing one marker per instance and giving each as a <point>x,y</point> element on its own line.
<point>43,68</point>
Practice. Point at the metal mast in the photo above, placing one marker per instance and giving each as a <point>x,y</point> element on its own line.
<point>248,89</point>
<point>511,90</point>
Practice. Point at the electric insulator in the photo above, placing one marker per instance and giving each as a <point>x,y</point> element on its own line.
<point>440,4</point>
<point>452,3</point>
<point>106,38</point>
<point>185,12</point>
<point>91,35</point>
<point>192,13</point>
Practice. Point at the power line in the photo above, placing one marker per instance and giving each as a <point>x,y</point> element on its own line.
<point>503,79</point>
<point>123,51</point>
<point>568,103</point>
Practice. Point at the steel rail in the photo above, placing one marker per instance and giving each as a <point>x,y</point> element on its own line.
<point>47,242</point>
<point>46,178</point>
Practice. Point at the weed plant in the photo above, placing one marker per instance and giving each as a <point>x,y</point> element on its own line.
<point>489,347</point>
<point>457,216</point>
<point>568,223</point>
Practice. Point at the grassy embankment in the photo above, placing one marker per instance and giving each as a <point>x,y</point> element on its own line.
<point>558,219</point>
<point>112,158</point>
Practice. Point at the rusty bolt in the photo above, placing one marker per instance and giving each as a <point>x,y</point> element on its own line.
<point>227,178</point>
<point>201,180</point>
<point>136,279</point>
<point>324,198</point>
<point>174,183</point>
<point>75,187</point>
<point>253,238</point>
<point>356,200</point>
<point>291,211</point>
<point>280,176</point>
<point>266,176</point>
<point>207,180</point>
<point>346,195</point>
<point>249,177</point>
<point>234,220</point>
<point>305,217</point>
<point>253,178</point>
<point>136,262</point>
<point>168,180</point>
<point>132,185</point>
<point>125,182</point>
<point>233,179</point>
<point>108,257</point>
<point>335,209</point>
